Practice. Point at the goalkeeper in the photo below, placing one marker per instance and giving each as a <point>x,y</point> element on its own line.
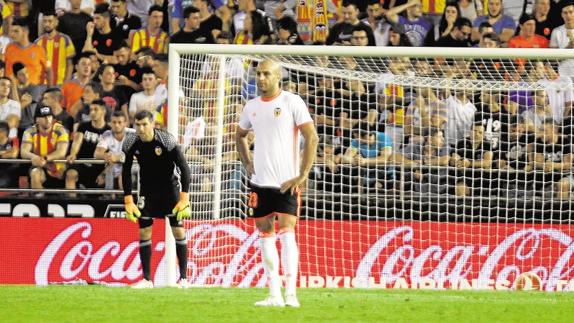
<point>158,155</point>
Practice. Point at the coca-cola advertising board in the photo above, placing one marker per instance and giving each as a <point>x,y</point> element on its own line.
<point>334,254</point>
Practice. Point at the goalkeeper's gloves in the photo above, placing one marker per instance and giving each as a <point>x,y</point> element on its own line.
<point>182,209</point>
<point>132,211</point>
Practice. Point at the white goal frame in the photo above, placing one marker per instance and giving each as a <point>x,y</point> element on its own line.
<point>176,50</point>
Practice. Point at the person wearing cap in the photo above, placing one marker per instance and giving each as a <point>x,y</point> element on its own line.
<point>42,144</point>
<point>59,49</point>
<point>29,54</point>
<point>527,38</point>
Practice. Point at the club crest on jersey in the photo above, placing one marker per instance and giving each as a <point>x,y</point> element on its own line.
<point>277,112</point>
<point>158,151</point>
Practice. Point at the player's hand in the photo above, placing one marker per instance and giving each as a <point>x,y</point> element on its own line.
<point>132,211</point>
<point>182,209</point>
<point>71,159</point>
<point>250,170</point>
<point>293,184</point>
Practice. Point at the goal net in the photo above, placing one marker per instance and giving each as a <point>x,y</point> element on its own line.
<point>436,168</point>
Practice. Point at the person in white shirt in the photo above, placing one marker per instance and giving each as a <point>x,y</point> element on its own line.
<point>563,37</point>
<point>460,117</point>
<point>109,148</point>
<point>148,98</point>
<point>276,118</point>
<point>9,109</point>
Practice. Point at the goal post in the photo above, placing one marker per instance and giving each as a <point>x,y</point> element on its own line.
<point>437,168</point>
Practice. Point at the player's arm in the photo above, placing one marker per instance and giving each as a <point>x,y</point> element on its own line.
<point>309,152</point>
<point>182,208</point>
<point>485,162</point>
<point>132,212</point>
<point>243,150</point>
<point>60,152</point>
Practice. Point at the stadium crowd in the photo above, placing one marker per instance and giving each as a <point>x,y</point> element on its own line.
<point>73,73</point>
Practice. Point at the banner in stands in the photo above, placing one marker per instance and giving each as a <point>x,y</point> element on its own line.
<point>334,254</point>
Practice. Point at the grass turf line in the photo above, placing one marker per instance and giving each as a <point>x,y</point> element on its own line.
<point>106,304</point>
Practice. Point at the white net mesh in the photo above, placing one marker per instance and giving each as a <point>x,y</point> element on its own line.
<point>432,172</point>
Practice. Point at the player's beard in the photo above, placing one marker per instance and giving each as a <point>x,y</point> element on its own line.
<point>496,16</point>
<point>48,30</point>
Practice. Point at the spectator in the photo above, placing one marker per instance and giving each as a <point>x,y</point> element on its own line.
<point>469,9</point>
<point>53,98</point>
<point>255,30</point>
<point>341,32</point>
<point>278,9</point>
<point>503,25</point>
<point>397,37</point>
<point>140,8</point>
<point>152,35</point>
<point>460,113</point>
<point>42,144</point>
<point>459,36</point>
<point>128,72</point>
<point>287,32</point>
<point>73,89</point>
<point>544,25</point>
<point>144,56</point>
<point>8,107</point>
<point>60,50</point>
<point>146,99</point>
<point>73,23</point>
<point>64,6</point>
<point>553,155</point>
<point>416,27</point>
<point>84,144</point>
<point>112,94</point>
<point>378,23</point>
<point>471,156</point>
<point>489,40</point>
<point>4,40</point>
<point>109,148</point>
<point>123,21</point>
<point>563,36</point>
<point>527,38</point>
<point>494,119</point>
<point>101,38</point>
<point>191,32</point>
<point>29,54</point>
<point>360,36</point>
<point>559,91</point>
<point>92,91</point>
<point>444,27</point>
<point>370,149</point>
<point>209,21</point>
<point>433,152</point>
<point>9,149</point>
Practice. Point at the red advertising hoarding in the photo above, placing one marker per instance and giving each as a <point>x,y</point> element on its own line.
<point>369,254</point>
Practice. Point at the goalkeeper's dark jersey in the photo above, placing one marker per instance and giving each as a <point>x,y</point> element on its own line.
<point>157,160</point>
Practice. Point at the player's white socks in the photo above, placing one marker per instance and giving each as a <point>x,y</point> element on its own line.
<point>289,261</point>
<point>271,263</point>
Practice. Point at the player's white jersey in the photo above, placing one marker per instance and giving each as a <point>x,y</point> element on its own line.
<point>275,123</point>
<point>111,144</point>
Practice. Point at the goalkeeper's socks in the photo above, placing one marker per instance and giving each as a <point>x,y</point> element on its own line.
<point>289,260</point>
<point>181,251</point>
<point>271,262</point>
<point>145,257</point>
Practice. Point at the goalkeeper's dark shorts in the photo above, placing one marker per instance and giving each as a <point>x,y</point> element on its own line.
<point>264,201</point>
<point>158,208</point>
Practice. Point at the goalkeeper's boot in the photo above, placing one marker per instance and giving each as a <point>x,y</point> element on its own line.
<point>143,284</point>
<point>275,301</point>
<point>292,301</point>
<point>183,283</point>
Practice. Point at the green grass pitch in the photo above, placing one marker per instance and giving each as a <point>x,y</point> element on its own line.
<point>107,304</point>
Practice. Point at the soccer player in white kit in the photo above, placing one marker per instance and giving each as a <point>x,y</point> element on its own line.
<point>276,174</point>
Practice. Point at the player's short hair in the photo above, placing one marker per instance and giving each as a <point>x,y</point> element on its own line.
<point>4,127</point>
<point>6,78</point>
<point>118,113</point>
<point>147,70</point>
<point>17,67</point>
<point>483,26</point>
<point>153,8</point>
<point>461,22</point>
<point>146,50</point>
<point>189,10</point>
<point>364,129</point>
<point>143,114</point>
